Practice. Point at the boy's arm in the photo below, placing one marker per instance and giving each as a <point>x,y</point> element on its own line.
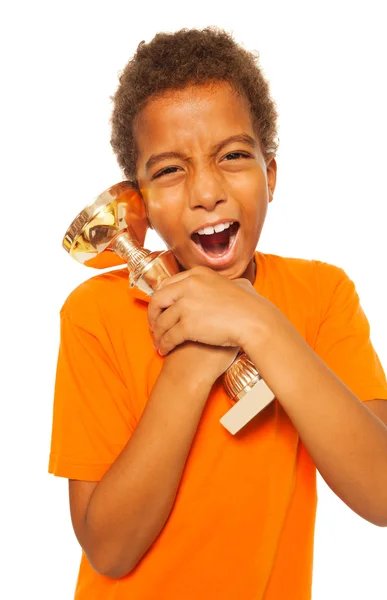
<point>347,443</point>
<point>379,408</point>
<point>130,505</point>
<point>322,396</point>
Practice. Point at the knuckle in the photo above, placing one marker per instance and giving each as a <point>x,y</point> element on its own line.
<point>184,306</point>
<point>199,269</point>
<point>191,280</point>
<point>184,325</point>
<point>190,286</point>
<point>154,298</point>
<point>151,306</point>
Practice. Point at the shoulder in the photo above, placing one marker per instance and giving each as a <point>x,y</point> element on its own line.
<point>302,269</point>
<point>310,283</point>
<point>305,290</point>
<point>100,299</point>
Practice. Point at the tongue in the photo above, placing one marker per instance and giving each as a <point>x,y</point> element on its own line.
<point>215,238</point>
<point>216,243</point>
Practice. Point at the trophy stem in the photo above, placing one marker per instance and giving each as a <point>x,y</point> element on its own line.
<point>127,247</point>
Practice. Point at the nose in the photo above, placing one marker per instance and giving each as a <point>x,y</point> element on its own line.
<point>205,189</point>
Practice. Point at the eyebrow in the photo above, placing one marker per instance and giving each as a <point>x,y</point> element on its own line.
<point>244,138</point>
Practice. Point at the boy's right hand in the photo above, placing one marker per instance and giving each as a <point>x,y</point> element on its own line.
<point>200,363</point>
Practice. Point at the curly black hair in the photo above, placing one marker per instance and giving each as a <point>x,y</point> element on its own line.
<point>171,61</point>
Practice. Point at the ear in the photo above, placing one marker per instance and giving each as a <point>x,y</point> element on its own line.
<point>271,168</point>
<point>146,208</point>
<point>147,214</point>
<point>136,212</point>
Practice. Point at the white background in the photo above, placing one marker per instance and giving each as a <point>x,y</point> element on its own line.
<point>60,63</point>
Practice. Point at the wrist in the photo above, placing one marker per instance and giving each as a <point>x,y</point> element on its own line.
<point>189,381</point>
<point>254,331</point>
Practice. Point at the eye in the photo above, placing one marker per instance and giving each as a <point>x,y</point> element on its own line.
<point>233,155</point>
<point>165,171</point>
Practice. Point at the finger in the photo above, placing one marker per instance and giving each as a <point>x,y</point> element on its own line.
<point>245,284</point>
<point>168,319</point>
<point>163,299</point>
<point>242,281</point>
<point>199,270</point>
<point>172,338</point>
<point>173,279</point>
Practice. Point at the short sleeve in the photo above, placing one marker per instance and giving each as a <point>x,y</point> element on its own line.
<point>92,420</point>
<point>343,339</point>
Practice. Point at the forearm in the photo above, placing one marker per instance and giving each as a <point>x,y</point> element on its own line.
<point>132,502</point>
<point>347,443</point>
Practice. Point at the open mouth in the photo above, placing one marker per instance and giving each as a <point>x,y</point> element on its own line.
<point>216,245</point>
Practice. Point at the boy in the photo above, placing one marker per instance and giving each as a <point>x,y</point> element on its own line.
<point>164,501</point>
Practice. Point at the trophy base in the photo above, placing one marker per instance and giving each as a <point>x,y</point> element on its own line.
<point>256,399</point>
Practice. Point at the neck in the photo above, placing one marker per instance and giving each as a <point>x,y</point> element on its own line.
<point>250,272</point>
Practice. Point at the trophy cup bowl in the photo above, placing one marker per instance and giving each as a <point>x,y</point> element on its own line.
<point>111,231</point>
<point>89,237</point>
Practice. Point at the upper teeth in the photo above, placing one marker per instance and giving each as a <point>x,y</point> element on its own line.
<point>216,229</point>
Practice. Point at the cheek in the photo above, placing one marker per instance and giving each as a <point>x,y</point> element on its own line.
<point>164,212</point>
<point>250,184</point>
<point>166,223</point>
<point>252,191</point>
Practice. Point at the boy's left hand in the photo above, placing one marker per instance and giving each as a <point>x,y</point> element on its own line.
<point>201,305</point>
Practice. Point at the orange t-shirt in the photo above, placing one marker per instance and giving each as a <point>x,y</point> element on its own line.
<point>242,526</point>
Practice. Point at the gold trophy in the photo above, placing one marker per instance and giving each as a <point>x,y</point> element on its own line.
<point>111,231</point>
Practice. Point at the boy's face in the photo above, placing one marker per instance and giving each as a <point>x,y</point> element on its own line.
<point>191,177</point>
